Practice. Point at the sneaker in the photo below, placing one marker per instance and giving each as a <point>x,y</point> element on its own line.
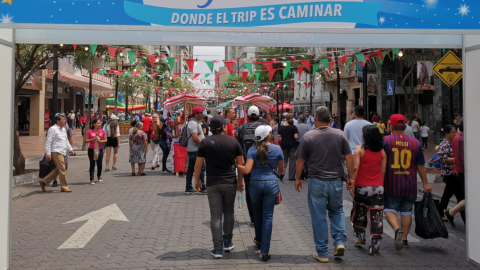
<point>405,243</point>
<point>158,166</point>
<point>114,168</point>
<point>372,250</point>
<point>449,217</point>
<point>203,191</point>
<point>107,170</point>
<point>320,259</point>
<point>228,248</point>
<point>190,191</point>
<point>398,239</point>
<point>339,251</point>
<point>265,257</point>
<point>217,254</point>
<point>100,180</point>
<point>55,183</point>
<point>166,171</point>
<point>92,183</point>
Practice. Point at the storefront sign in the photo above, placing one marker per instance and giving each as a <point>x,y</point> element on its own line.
<point>301,14</point>
<point>449,69</point>
<point>87,99</point>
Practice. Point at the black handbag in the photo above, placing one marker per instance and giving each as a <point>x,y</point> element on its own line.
<point>45,167</point>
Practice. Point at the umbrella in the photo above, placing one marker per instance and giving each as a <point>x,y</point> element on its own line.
<point>264,102</point>
<point>181,99</point>
<point>284,106</point>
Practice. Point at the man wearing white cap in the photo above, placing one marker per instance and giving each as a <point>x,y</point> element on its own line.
<point>246,138</point>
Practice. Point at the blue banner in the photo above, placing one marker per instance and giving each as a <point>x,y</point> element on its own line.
<point>301,14</point>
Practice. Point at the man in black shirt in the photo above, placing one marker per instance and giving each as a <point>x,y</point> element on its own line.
<point>205,126</point>
<point>221,153</point>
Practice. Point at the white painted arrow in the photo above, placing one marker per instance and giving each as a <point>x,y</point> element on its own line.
<point>95,221</point>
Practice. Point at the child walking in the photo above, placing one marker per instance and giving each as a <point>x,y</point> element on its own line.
<point>369,163</point>
<point>425,136</point>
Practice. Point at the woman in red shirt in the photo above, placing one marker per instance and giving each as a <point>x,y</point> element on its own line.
<point>370,163</point>
<point>83,121</point>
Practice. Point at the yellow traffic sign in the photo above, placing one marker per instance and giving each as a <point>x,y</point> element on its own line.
<point>449,69</point>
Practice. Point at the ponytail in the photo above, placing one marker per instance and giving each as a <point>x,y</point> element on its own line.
<point>289,119</point>
<point>262,151</point>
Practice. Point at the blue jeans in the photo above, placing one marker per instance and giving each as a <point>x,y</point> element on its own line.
<point>192,158</point>
<point>323,196</point>
<point>166,152</point>
<point>263,195</point>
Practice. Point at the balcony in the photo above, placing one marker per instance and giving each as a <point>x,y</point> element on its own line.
<point>97,77</point>
<point>113,64</point>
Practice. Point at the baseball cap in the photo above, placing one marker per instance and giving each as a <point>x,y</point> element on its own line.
<point>396,119</point>
<point>113,117</point>
<point>217,122</point>
<point>253,110</point>
<point>197,109</point>
<point>261,132</point>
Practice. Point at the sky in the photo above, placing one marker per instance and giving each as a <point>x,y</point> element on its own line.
<point>207,53</point>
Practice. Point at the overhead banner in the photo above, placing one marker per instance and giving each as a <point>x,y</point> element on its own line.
<point>301,14</point>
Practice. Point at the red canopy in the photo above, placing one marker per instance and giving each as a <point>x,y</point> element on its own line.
<point>284,106</point>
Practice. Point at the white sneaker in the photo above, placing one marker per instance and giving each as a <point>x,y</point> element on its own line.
<point>100,180</point>
<point>92,183</point>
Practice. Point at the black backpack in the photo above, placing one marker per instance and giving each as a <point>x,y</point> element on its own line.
<point>249,135</point>
<point>183,140</point>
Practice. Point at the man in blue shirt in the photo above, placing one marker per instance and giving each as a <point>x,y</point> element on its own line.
<point>353,129</point>
<point>310,119</point>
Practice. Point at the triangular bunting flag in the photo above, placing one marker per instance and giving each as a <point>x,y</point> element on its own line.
<point>229,66</point>
<point>217,75</point>
<point>93,49</point>
<point>257,74</point>
<point>207,75</point>
<point>249,67</point>
<point>112,51</point>
<point>74,47</point>
<point>210,65</point>
<point>289,67</point>
<point>272,72</point>
<point>190,64</point>
<point>315,68</point>
<point>195,76</point>
<point>131,56</point>
<point>331,64</point>
<point>268,65</point>
<point>300,70</point>
<point>244,75</point>
<point>395,52</point>
<point>344,59</point>
<point>151,59</point>
<point>306,63</point>
<point>324,62</point>
<point>360,57</point>
<point>285,73</point>
<point>171,63</point>
<point>380,54</point>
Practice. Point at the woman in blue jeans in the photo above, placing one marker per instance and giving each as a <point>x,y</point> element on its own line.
<point>262,159</point>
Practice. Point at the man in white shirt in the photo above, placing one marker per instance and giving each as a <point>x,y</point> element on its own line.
<point>353,129</point>
<point>310,120</point>
<point>416,127</point>
<point>57,148</point>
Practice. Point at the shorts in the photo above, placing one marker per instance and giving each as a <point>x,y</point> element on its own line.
<point>402,204</point>
<point>112,142</point>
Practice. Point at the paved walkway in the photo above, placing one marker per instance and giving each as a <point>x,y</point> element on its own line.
<point>169,230</point>
<point>34,146</point>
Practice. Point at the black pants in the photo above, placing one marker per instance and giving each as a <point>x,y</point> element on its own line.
<point>455,185</point>
<point>425,142</point>
<point>246,179</point>
<point>70,123</point>
<point>166,152</point>
<point>99,162</point>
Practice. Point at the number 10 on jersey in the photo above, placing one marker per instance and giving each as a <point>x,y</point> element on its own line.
<point>401,159</point>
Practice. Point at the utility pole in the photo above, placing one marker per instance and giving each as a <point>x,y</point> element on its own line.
<point>55,88</point>
<point>365,92</point>
<point>311,92</point>
<point>89,106</point>
<point>339,115</point>
<point>116,91</point>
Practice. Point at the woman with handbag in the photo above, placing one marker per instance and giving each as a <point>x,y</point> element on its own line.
<point>262,161</point>
<point>96,136</point>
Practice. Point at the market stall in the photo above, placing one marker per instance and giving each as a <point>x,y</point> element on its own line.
<point>188,101</point>
<point>261,101</point>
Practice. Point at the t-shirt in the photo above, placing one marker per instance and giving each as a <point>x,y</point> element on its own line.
<point>220,153</point>
<point>207,128</point>
<point>288,136</point>
<point>445,152</point>
<point>323,150</point>
<point>230,130</point>
<point>353,132</point>
<point>409,131</point>
<point>458,153</point>
<point>108,131</point>
<point>381,128</point>
<point>275,132</point>
<point>92,133</point>
<point>302,129</point>
<point>404,154</point>
<point>425,131</point>
<point>310,121</point>
<point>194,127</point>
<point>415,126</point>
<point>146,123</point>
<point>263,172</point>
<point>71,116</point>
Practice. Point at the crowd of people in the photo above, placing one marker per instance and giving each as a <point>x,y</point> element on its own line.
<point>378,162</point>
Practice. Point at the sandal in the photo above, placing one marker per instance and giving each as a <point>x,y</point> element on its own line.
<point>133,174</point>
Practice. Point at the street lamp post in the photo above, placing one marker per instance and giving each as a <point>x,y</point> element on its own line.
<point>339,116</point>
<point>311,92</point>
<point>116,90</point>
